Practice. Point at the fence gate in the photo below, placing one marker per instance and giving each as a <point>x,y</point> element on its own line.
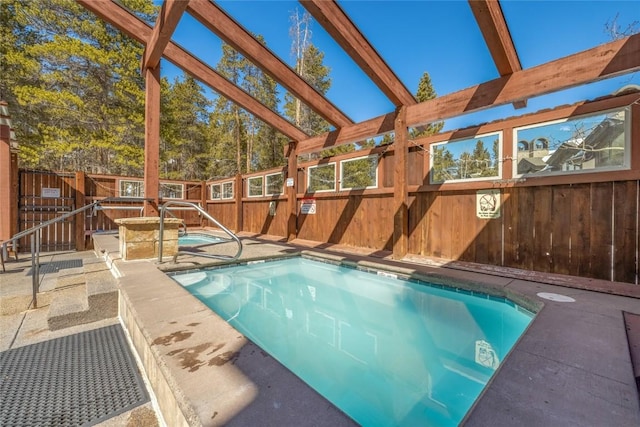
<point>42,197</point>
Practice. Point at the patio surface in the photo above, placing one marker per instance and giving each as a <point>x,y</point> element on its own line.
<point>571,367</point>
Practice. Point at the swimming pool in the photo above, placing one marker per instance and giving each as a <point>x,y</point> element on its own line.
<point>193,239</point>
<point>385,351</point>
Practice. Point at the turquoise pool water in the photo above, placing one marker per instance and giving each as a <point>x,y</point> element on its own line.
<point>197,239</point>
<point>385,351</point>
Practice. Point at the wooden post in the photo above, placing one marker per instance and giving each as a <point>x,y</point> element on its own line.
<point>8,176</point>
<point>80,201</point>
<point>239,190</point>
<point>291,191</point>
<point>152,141</point>
<point>400,187</point>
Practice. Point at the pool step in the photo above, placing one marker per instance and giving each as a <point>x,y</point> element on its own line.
<point>84,298</point>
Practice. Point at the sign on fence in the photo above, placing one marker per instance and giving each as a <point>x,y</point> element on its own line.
<point>50,192</point>
<point>308,207</point>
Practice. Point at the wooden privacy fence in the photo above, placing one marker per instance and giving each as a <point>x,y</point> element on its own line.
<point>577,222</point>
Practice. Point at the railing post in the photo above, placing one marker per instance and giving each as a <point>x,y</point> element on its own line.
<point>161,233</point>
<point>34,275</point>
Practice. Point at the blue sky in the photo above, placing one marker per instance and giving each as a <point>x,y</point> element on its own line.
<point>440,37</point>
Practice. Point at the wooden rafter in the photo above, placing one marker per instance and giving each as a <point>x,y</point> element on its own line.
<point>598,63</point>
<point>218,21</point>
<point>495,31</point>
<point>139,30</point>
<point>336,22</point>
<point>167,21</point>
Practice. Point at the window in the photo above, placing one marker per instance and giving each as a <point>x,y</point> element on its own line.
<point>255,186</point>
<point>131,188</point>
<point>171,191</point>
<point>274,184</point>
<point>586,143</point>
<point>216,191</point>
<point>474,158</point>
<point>322,178</point>
<point>227,190</point>
<point>359,173</point>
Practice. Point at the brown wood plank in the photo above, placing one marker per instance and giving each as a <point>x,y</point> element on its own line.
<point>542,223</point>
<point>400,187</point>
<point>561,223</point>
<point>470,226</point>
<point>435,227</point>
<point>152,141</point>
<point>166,23</point>
<point>600,231</point>
<point>580,226</point>
<point>219,22</point>
<point>336,22</point>
<point>625,228</point>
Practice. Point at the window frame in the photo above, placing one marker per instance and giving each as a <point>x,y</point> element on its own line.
<point>121,182</point>
<point>181,185</point>
<point>233,189</point>
<point>627,145</point>
<point>266,184</point>
<point>499,160</point>
<point>251,178</point>
<point>341,180</point>
<point>211,196</point>
<point>335,177</point>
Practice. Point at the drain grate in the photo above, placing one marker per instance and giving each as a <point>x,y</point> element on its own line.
<point>56,266</point>
<point>77,380</point>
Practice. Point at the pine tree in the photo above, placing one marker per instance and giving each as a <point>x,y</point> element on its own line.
<point>75,91</point>
<point>424,93</point>
<point>184,119</point>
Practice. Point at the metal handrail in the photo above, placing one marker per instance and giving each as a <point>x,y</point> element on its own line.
<point>34,234</point>
<point>206,214</point>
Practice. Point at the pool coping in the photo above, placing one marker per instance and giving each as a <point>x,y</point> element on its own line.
<point>572,365</point>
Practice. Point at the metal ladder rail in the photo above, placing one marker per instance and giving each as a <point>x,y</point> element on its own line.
<point>34,234</point>
<point>206,214</point>
<point>184,223</point>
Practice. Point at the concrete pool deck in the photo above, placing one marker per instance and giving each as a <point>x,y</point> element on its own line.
<point>571,367</point>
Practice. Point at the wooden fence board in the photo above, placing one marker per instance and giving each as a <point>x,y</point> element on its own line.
<point>600,231</point>
<point>626,207</point>
<point>580,226</point>
<point>561,222</point>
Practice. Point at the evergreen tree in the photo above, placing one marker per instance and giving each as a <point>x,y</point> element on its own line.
<point>184,119</point>
<point>426,92</point>
<point>75,90</point>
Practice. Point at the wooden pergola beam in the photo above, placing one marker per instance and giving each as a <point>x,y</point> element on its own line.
<point>139,30</point>
<point>495,31</point>
<point>219,22</point>
<point>601,62</point>
<point>166,23</point>
<point>336,22</point>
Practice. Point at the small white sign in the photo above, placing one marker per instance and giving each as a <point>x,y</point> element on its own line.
<point>289,182</point>
<point>488,204</point>
<point>50,192</point>
<point>308,207</point>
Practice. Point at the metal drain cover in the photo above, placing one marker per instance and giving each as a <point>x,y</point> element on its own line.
<point>77,380</point>
<point>55,266</point>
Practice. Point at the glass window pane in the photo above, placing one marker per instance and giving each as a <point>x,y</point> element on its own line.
<point>216,191</point>
<point>322,178</point>
<point>255,186</point>
<point>474,158</point>
<point>585,143</point>
<point>227,190</point>
<point>359,173</point>
<point>275,184</point>
<point>131,188</point>
<point>171,191</point>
